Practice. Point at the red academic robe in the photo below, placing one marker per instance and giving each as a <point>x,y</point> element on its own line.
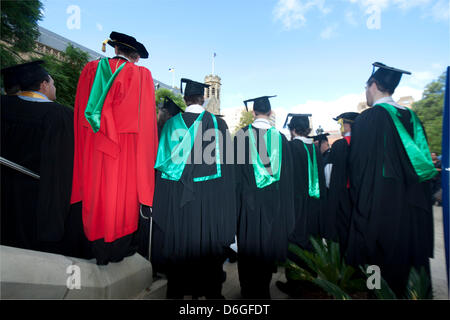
<point>113,168</point>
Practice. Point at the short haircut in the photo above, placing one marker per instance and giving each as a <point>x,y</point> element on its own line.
<point>33,80</point>
<point>259,113</point>
<point>300,125</point>
<point>195,99</point>
<point>379,86</point>
<point>127,51</point>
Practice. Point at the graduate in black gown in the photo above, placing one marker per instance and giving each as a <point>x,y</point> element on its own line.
<point>321,141</point>
<point>390,171</point>
<point>37,133</point>
<point>309,194</point>
<point>194,208</point>
<point>339,208</point>
<point>167,110</point>
<point>265,200</point>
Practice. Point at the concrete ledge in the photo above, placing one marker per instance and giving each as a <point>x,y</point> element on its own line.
<point>27,274</point>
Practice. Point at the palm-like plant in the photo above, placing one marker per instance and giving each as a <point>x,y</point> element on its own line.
<point>326,268</point>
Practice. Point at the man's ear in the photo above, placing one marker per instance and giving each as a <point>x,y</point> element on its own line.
<point>374,83</point>
<point>43,86</point>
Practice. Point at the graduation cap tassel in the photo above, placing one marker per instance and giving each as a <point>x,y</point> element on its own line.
<point>104,45</point>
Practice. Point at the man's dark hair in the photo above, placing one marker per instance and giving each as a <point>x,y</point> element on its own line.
<point>379,86</point>
<point>300,125</point>
<point>33,80</point>
<point>127,51</point>
<point>258,113</point>
<point>195,99</point>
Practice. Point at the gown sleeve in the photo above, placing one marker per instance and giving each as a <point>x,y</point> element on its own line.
<point>147,142</point>
<point>56,174</point>
<point>83,90</point>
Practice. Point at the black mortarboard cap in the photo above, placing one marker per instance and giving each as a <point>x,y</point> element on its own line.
<point>171,107</point>
<point>193,88</point>
<point>296,117</point>
<point>347,116</point>
<point>321,137</point>
<point>260,104</point>
<point>13,76</point>
<point>117,38</point>
<point>388,77</point>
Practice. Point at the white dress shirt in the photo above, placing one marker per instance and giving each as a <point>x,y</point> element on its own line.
<point>261,123</point>
<point>390,101</point>
<point>194,108</point>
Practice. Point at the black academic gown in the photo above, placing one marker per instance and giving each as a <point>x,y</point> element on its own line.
<point>308,210</point>
<point>326,157</point>
<point>392,218</point>
<point>339,208</point>
<point>36,214</point>
<point>265,216</point>
<point>194,222</point>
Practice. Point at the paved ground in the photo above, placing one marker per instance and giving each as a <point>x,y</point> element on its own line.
<point>438,273</point>
<point>231,289</point>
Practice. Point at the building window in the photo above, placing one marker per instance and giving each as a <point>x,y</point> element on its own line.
<point>213,91</point>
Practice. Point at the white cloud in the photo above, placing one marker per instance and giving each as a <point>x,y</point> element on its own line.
<point>405,91</point>
<point>438,9</point>
<point>292,13</point>
<point>441,10</point>
<point>419,79</point>
<point>99,27</point>
<point>328,32</point>
<point>323,112</point>
<point>350,18</point>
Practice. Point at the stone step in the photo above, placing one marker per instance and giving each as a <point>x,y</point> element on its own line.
<point>27,274</point>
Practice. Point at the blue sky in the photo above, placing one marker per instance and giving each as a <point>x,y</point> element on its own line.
<point>314,54</point>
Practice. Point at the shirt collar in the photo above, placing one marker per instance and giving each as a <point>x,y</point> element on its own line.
<point>348,134</point>
<point>33,96</point>
<point>304,139</point>
<point>390,101</point>
<point>261,123</point>
<point>194,108</point>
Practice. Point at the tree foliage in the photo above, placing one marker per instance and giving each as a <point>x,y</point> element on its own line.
<point>19,27</point>
<point>161,93</point>
<point>66,73</point>
<point>246,119</point>
<point>430,110</point>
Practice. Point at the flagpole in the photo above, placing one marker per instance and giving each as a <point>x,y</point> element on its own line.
<point>213,63</point>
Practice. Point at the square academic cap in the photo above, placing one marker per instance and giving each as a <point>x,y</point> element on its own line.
<point>193,88</point>
<point>171,107</point>
<point>388,77</point>
<point>260,104</point>
<point>291,115</point>
<point>117,38</point>
<point>321,137</point>
<point>12,75</point>
<point>347,116</point>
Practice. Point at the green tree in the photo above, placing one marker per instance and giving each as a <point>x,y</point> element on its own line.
<point>161,93</point>
<point>430,110</point>
<point>66,73</point>
<point>246,119</point>
<point>19,27</point>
